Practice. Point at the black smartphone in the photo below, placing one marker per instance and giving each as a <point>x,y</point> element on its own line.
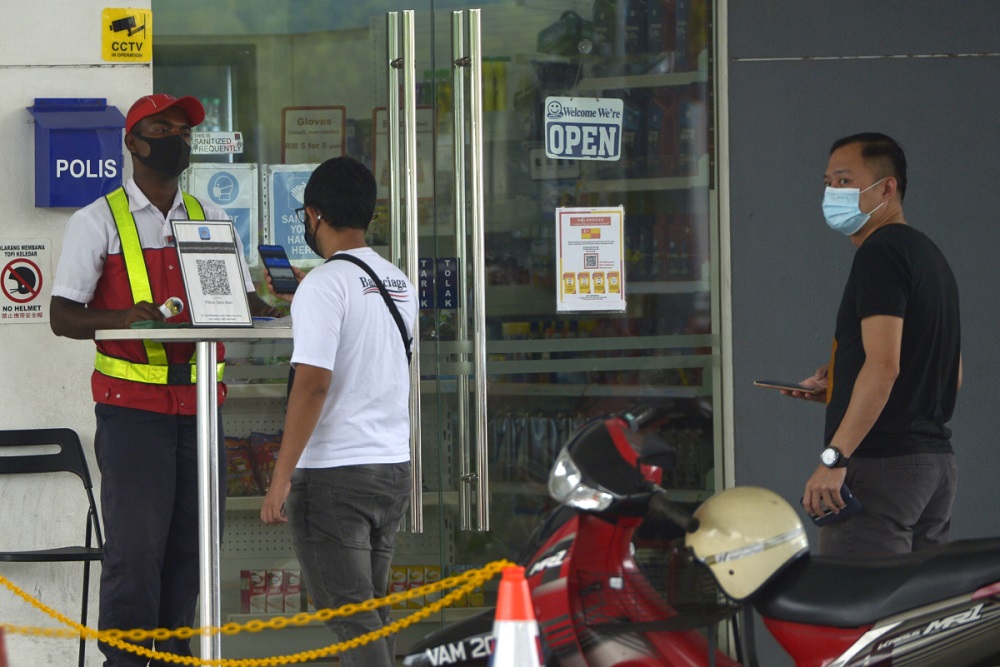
<point>279,268</point>
<point>851,507</point>
<point>790,386</point>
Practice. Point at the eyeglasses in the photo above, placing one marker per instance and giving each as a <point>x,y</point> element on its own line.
<point>300,213</point>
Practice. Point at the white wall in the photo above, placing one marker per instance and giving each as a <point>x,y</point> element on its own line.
<point>48,48</point>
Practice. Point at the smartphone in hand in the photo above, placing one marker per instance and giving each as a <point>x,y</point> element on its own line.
<point>787,386</point>
<point>279,268</point>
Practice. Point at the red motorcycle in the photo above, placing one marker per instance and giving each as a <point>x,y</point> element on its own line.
<point>601,600</point>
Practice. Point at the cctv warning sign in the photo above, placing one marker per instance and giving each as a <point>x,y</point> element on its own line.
<point>25,265</point>
<point>127,35</point>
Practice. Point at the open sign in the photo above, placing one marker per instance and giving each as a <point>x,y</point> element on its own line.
<point>583,128</point>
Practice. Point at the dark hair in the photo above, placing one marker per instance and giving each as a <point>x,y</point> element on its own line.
<point>883,153</point>
<point>343,190</point>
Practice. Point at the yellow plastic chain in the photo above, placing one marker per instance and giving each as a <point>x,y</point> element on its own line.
<point>463,584</point>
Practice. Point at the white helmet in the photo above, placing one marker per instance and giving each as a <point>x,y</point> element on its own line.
<point>746,535</point>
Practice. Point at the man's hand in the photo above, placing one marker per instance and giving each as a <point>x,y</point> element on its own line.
<point>818,380</point>
<point>273,511</point>
<point>299,275</point>
<point>823,491</point>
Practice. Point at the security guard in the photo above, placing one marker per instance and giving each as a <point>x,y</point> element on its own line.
<point>118,262</point>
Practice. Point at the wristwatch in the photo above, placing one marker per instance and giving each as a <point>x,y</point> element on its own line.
<point>832,458</point>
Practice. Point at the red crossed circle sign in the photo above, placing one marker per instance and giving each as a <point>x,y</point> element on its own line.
<point>14,284</point>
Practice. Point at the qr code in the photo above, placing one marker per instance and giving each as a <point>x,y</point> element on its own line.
<point>213,277</point>
<point>590,260</point>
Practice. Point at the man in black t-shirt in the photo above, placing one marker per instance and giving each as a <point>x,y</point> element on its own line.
<point>895,370</point>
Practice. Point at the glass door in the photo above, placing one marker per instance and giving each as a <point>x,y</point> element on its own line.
<point>469,191</point>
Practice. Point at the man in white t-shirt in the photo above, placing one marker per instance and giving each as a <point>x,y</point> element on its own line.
<point>343,471</point>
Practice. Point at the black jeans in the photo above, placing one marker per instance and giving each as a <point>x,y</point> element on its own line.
<point>149,504</point>
<point>344,522</point>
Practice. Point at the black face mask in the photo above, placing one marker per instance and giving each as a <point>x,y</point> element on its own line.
<point>311,237</point>
<point>168,155</point>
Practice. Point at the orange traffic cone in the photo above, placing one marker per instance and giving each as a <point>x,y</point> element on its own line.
<point>514,627</point>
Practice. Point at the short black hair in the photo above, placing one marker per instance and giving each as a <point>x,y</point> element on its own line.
<point>883,152</point>
<point>343,190</point>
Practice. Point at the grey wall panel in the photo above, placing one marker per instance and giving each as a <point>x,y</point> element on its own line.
<point>793,28</point>
<point>789,269</point>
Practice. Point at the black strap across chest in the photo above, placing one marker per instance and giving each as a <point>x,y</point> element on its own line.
<point>407,340</point>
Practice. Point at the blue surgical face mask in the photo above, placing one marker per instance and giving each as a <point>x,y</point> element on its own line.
<point>842,209</point>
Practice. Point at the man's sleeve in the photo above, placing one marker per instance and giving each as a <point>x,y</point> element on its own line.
<point>84,252</point>
<point>883,281</point>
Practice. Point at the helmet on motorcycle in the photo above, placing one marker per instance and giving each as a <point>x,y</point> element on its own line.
<point>746,535</point>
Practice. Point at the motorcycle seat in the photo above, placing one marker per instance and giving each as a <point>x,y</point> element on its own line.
<point>843,593</point>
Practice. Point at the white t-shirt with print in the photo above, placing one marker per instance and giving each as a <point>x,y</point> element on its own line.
<point>340,322</point>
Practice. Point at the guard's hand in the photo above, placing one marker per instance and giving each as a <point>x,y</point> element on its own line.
<point>273,511</point>
<point>823,491</point>
<point>141,312</point>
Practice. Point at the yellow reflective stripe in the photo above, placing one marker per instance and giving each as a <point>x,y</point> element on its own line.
<point>193,206</point>
<point>144,373</point>
<point>156,371</point>
<point>135,265</point>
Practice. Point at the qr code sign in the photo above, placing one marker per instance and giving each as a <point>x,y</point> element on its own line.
<point>213,277</point>
<point>590,260</point>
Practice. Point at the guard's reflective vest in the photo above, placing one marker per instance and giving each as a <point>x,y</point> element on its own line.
<point>158,370</point>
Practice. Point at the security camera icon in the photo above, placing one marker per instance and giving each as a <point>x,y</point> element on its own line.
<point>127,23</point>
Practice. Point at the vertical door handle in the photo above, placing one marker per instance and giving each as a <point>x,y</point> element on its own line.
<point>479,478</point>
<point>405,60</point>
<point>464,439</point>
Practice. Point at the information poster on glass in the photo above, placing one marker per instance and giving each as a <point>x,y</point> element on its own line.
<point>213,273</point>
<point>312,134</point>
<point>284,191</point>
<point>232,187</point>
<point>590,259</point>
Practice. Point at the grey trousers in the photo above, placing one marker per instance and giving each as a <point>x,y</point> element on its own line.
<point>344,522</point>
<point>906,506</point>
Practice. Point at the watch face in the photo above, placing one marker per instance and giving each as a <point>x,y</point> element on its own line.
<point>829,456</point>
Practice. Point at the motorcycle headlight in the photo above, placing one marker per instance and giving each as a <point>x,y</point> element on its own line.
<point>566,485</point>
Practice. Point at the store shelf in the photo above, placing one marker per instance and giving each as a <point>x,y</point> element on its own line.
<point>667,286</point>
<point>273,390</point>
<point>596,391</point>
<point>697,180</point>
<point>254,503</point>
<point>597,84</point>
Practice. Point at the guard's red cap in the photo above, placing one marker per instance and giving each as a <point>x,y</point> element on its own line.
<point>151,105</point>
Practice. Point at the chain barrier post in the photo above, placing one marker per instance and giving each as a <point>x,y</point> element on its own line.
<point>462,585</point>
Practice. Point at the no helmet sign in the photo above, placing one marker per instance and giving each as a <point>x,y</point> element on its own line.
<point>24,267</point>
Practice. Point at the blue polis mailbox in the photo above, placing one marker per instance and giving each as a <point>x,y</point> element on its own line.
<point>78,150</point>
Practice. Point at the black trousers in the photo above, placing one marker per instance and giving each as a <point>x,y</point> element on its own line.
<point>149,505</point>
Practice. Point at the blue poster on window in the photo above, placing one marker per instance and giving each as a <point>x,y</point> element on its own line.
<point>285,186</point>
<point>233,188</point>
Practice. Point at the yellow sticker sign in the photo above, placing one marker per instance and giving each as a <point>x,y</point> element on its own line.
<point>127,35</point>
